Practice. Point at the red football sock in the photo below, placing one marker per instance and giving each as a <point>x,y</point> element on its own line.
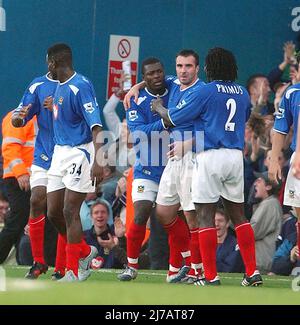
<point>298,235</point>
<point>85,249</point>
<point>179,242</point>
<point>36,233</point>
<point>246,241</point>
<point>60,261</point>
<point>194,247</point>
<point>135,237</point>
<point>73,255</point>
<point>175,258</point>
<point>208,247</point>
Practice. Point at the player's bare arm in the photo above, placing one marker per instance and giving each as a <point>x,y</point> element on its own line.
<point>97,168</point>
<point>178,149</point>
<point>18,117</point>
<point>157,107</point>
<point>296,161</point>
<point>274,168</point>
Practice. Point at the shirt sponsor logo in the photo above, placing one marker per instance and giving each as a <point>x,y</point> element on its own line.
<point>89,108</point>
<point>181,104</point>
<point>132,115</point>
<point>44,157</point>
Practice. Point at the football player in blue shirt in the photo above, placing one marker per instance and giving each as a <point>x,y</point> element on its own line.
<point>145,127</point>
<point>221,111</point>
<point>34,103</point>
<point>174,187</point>
<point>288,116</point>
<point>77,159</point>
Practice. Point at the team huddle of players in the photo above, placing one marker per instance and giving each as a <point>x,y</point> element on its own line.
<point>205,123</point>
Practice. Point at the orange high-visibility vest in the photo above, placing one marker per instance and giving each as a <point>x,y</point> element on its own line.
<point>17,147</point>
<point>129,206</point>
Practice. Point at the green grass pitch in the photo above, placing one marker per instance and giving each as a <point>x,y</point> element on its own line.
<point>150,288</point>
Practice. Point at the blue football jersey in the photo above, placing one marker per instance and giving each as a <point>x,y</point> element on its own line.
<point>289,111</point>
<point>35,94</point>
<point>219,109</point>
<point>183,98</point>
<point>150,142</point>
<point>75,111</point>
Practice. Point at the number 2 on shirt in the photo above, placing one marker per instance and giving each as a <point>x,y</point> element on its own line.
<point>231,105</point>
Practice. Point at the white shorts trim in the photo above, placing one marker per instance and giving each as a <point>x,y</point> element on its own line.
<point>218,172</point>
<point>292,189</point>
<point>70,168</point>
<point>175,183</point>
<point>144,189</point>
<point>38,176</point>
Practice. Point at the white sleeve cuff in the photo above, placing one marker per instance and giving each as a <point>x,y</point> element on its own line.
<point>96,125</point>
<point>171,119</point>
<point>163,124</point>
<point>281,132</point>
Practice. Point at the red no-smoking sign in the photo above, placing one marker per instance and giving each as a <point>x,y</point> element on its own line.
<point>121,48</point>
<point>124,48</point>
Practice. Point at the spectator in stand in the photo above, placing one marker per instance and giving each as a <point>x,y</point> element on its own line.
<point>107,188</point>
<point>119,149</point>
<point>279,88</point>
<point>101,235</point>
<point>259,90</point>
<point>85,211</point>
<point>106,239</point>
<point>266,221</point>
<point>282,263</point>
<point>228,254</point>
<point>278,74</point>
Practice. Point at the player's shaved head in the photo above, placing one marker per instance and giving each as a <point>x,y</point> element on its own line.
<point>220,64</point>
<point>148,61</point>
<point>60,53</point>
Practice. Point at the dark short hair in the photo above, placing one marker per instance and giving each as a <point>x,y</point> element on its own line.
<point>220,64</point>
<point>150,60</point>
<point>60,53</point>
<point>187,52</point>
